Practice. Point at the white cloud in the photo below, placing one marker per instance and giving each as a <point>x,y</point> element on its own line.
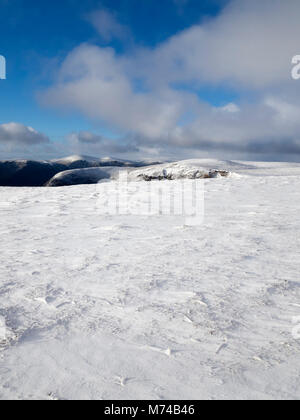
<point>86,137</point>
<point>86,142</point>
<point>108,26</point>
<point>231,107</point>
<point>94,81</point>
<point>15,133</point>
<point>18,140</point>
<point>250,44</point>
<point>248,47</point>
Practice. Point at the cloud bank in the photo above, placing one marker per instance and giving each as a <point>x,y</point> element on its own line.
<point>153,96</point>
<point>20,134</point>
<point>86,142</point>
<point>19,140</point>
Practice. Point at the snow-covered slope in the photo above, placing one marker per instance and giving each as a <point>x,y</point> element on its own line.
<point>81,176</point>
<point>127,307</point>
<point>203,168</point>
<point>168,171</point>
<point>186,169</point>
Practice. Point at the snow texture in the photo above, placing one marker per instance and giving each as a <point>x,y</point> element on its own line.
<point>123,307</point>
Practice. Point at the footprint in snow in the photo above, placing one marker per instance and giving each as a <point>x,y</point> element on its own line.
<point>123,381</point>
<point>168,352</point>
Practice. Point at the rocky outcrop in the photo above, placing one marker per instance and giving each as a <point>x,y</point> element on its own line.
<point>176,170</point>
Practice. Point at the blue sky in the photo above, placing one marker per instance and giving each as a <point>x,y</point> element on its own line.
<point>151,48</point>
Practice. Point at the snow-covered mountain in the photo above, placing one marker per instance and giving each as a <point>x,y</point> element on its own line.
<point>37,173</point>
<point>27,173</point>
<point>79,162</point>
<point>185,169</point>
<point>72,170</point>
<point>168,171</point>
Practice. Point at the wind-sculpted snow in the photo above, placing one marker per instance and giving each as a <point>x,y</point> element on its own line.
<point>81,176</point>
<point>97,306</point>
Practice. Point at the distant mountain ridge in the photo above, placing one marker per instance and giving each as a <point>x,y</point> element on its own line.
<point>81,162</point>
<point>27,173</point>
<point>30,173</point>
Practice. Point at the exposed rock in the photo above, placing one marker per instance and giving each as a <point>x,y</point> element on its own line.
<point>176,170</point>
